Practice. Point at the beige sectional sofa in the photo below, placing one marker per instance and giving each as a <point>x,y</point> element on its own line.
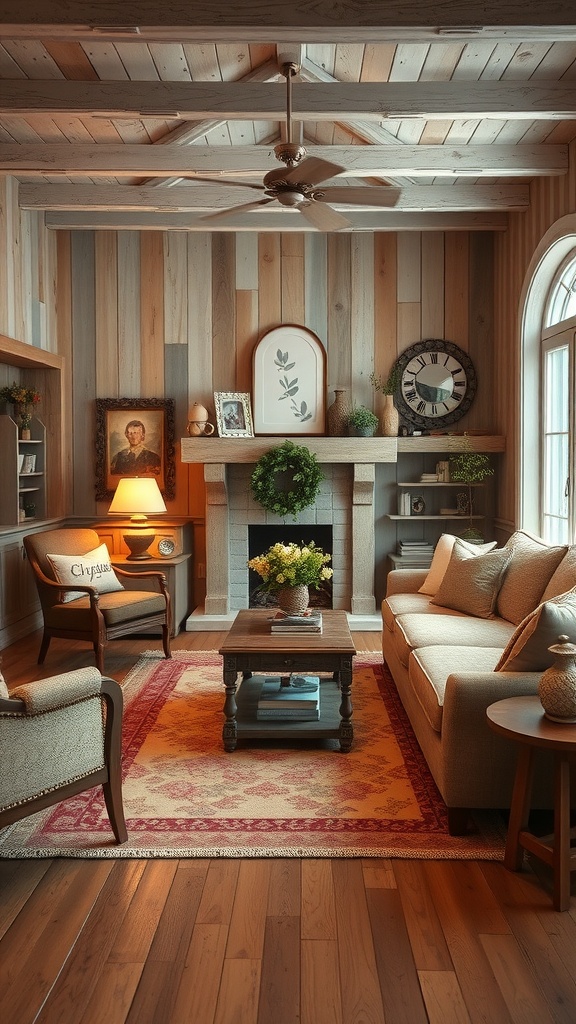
<point>479,633</point>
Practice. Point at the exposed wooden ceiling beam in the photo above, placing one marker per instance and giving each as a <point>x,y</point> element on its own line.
<point>277,220</point>
<point>250,161</point>
<point>218,197</point>
<point>258,20</point>
<point>255,101</point>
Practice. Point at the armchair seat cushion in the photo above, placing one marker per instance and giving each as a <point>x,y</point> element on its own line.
<point>118,607</point>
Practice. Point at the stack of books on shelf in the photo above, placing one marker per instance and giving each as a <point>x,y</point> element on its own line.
<point>297,625</point>
<point>294,698</point>
<point>415,550</point>
<point>428,478</point>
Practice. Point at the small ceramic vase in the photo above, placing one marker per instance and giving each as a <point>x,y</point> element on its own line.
<point>337,414</point>
<point>198,421</point>
<point>557,687</point>
<point>293,600</point>
<point>390,418</point>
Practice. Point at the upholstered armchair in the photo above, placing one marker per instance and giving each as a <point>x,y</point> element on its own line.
<point>58,737</point>
<point>87,609</point>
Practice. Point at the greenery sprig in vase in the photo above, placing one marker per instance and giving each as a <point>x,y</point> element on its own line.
<point>470,468</point>
<point>389,386</point>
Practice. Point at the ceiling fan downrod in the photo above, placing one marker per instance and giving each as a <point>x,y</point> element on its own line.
<point>289,152</point>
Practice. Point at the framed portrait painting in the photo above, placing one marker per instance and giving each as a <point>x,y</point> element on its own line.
<point>289,394</point>
<point>233,414</point>
<point>134,437</point>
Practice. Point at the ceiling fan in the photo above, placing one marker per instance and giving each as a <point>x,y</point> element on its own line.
<point>295,185</point>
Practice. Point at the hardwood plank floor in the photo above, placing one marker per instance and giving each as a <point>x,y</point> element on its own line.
<point>276,941</point>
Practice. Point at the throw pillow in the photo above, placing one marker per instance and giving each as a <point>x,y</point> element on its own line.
<point>441,558</point>
<point>3,687</point>
<point>92,569</point>
<point>531,567</point>
<point>527,649</point>
<point>471,584</point>
<point>564,577</point>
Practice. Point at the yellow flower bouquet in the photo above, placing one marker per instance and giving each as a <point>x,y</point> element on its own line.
<point>292,565</point>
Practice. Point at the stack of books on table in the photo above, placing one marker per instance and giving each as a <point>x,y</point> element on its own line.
<point>415,550</point>
<point>297,625</point>
<point>299,700</point>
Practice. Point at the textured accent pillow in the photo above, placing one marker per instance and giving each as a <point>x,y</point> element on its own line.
<point>92,569</point>
<point>441,558</point>
<point>527,648</point>
<point>471,584</point>
<point>3,687</point>
<point>564,578</point>
<point>530,570</point>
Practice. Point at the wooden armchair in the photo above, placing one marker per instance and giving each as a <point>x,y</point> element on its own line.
<point>94,617</point>
<point>58,737</point>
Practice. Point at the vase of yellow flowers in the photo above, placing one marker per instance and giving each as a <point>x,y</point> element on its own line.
<point>289,570</point>
<point>23,399</point>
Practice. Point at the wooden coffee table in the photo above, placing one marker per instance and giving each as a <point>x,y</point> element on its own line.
<point>250,648</point>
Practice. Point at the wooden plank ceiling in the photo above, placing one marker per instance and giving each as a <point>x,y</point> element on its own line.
<point>137,121</point>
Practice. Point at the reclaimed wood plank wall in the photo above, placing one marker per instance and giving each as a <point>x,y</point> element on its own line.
<point>178,316</point>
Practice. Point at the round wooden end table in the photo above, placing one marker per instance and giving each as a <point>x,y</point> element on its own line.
<point>522,720</point>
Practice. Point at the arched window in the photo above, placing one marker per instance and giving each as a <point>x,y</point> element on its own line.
<point>558,441</point>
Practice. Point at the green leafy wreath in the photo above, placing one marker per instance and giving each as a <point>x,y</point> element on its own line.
<point>296,470</point>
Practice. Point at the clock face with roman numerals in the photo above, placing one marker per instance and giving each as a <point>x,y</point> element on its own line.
<point>437,383</point>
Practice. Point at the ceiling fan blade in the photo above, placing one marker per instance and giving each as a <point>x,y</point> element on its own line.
<point>323,217</point>
<point>231,210</point>
<point>227,181</point>
<point>312,170</point>
<point>382,195</point>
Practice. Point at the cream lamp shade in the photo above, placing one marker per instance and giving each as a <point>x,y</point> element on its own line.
<point>138,497</point>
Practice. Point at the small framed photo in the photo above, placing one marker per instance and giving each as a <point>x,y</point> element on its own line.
<point>233,414</point>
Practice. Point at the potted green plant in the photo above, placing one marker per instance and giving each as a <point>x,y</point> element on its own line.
<point>470,467</point>
<point>388,387</point>
<point>362,422</point>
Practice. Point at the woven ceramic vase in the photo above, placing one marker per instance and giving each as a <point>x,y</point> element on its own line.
<point>293,600</point>
<point>337,414</point>
<point>557,687</point>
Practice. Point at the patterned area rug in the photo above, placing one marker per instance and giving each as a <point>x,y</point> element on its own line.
<point>185,797</point>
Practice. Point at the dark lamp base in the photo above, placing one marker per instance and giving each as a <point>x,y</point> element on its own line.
<point>138,543</point>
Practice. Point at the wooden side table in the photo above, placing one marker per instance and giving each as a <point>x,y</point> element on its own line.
<point>522,719</point>
<point>177,572</point>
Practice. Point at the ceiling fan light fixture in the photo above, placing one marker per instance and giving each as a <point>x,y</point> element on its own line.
<point>292,198</point>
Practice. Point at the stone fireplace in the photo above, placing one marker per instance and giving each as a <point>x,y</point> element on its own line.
<point>345,501</point>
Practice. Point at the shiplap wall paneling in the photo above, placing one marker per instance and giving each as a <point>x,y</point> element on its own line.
<point>269,282</point>
<point>362,318</point>
<point>129,332</point>
<point>199,290</point>
<point>63,298</point>
<point>106,315</point>
<point>432,305</point>
<point>315,297</point>
<point>292,278</point>
<point>152,315</point>
<point>339,364</point>
<point>481,328</point>
<point>408,288</point>
<point>175,374</point>
<point>385,306</point>
<point>456,269</point>
<point>223,311</point>
<point>84,359</point>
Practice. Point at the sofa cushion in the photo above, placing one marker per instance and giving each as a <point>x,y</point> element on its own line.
<point>527,649</point>
<point>531,567</point>
<point>414,630</point>
<point>471,584</point>
<point>429,668</point>
<point>564,577</point>
<point>441,559</point>
<point>92,569</point>
<point>399,604</point>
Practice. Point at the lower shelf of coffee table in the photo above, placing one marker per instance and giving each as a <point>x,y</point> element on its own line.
<point>248,726</point>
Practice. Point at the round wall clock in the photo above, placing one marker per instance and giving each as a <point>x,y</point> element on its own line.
<point>437,383</point>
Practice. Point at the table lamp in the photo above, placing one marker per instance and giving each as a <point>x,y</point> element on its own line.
<point>138,497</point>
